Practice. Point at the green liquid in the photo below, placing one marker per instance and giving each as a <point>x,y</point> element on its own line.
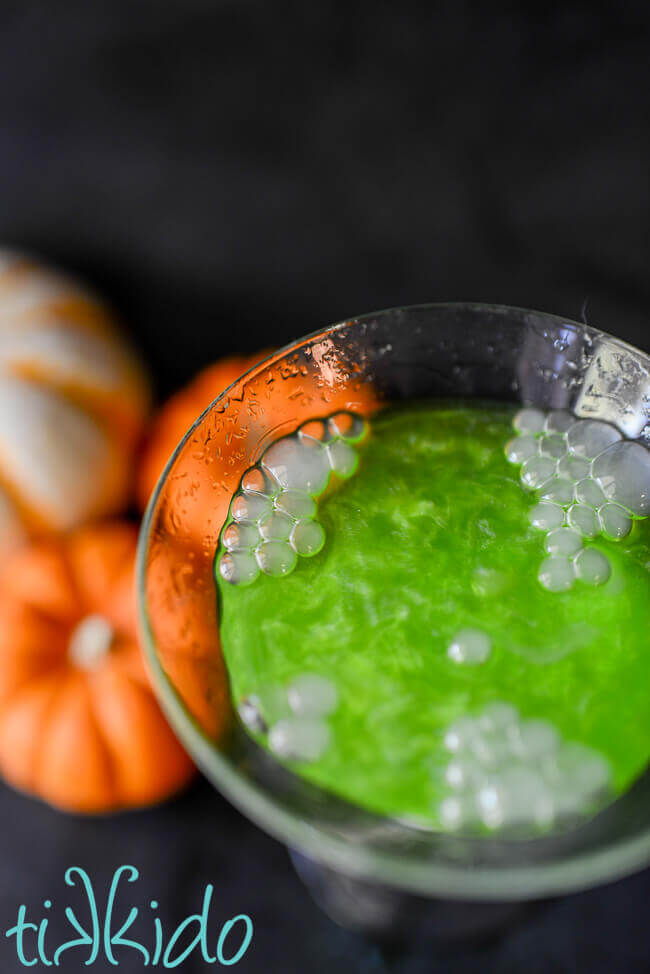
<point>430,536</point>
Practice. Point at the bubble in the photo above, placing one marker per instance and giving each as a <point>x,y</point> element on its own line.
<point>537,471</point>
<point>453,812</point>
<point>521,448</point>
<point>470,646</point>
<point>546,516</point>
<point>459,735</point>
<point>591,772</point>
<point>240,535</point>
<point>273,703</point>
<point>579,772</point>
<point>276,558</point>
<point>300,738</point>
<point>593,567</point>
<point>250,507</point>
<point>307,538</point>
<point>250,714</point>
<point>348,426</point>
<point>315,429</point>
<point>584,520</point>
<point>563,541</point>
<point>498,715</point>
<point>529,421</point>
<point>537,739</point>
<point>343,458</point>
<point>276,527</point>
<point>296,503</point>
<point>589,492</point>
<point>559,421</point>
<point>589,437</point>
<point>556,574</point>
<point>517,796</point>
<point>298,464</point>
<point>463,772</point>
<point>559,491</point>
<point>553,445</point>
<point>573,468</point>
<point>238,567</point>
<point>255,481</point>
<point>624,474</point>
<point>312,695</point>
<point>615,522</point>
<point>490,747</point>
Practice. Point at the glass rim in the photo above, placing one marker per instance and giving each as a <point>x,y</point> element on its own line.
<point>391,868</point>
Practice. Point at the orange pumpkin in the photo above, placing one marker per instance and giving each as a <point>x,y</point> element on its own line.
<point>179,412</point>
<point>73,401</point>
<point>79,725</point>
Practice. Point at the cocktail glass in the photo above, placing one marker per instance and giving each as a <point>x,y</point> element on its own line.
<point>368,871</point>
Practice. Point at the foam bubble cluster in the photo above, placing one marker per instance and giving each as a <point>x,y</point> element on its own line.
<point>293,718</point>
<point>508,773</point>
<point>273,515</point>
<point>589,482</point>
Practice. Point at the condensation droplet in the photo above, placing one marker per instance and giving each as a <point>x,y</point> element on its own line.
<point>546,516</point>
<point>563,541</point>
<point>529,420</point>
<point>593,567</point>
<point>584,520</point>
<point>276,558</point>
<point>556,574</point>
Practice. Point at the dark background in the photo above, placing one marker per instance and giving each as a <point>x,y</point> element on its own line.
<point>235,174</point>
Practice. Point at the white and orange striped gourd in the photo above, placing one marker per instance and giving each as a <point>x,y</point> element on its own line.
<point>73,401</point>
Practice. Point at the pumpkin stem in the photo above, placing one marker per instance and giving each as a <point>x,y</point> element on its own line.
<point>90,641</point>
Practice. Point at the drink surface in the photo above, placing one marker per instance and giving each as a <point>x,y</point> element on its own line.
<point>435,659</point>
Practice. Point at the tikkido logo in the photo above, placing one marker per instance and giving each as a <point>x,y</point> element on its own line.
<point>97,937</point>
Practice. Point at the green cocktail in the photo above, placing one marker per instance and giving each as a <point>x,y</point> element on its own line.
<point>453,632</point>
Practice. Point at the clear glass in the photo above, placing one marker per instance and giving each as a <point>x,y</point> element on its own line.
<point>422,352</point>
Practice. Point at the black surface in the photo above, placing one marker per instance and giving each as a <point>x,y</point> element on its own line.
<point>235,174</point>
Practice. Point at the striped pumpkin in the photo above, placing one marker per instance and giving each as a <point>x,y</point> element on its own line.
<point>73,401</point>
